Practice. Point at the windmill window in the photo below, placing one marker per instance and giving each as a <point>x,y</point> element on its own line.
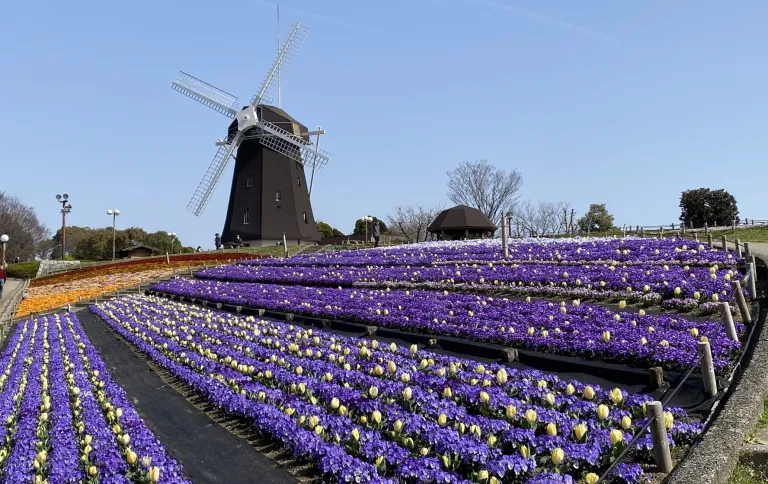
<point>306,220</point>
<point>278,196</point>
<point>246,214</point>
<point>298,180</point>
<point>248,182</point>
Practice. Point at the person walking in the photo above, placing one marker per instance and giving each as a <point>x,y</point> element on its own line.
<point>3,278</point>
<point>217,241</point>
<point>376,233</point>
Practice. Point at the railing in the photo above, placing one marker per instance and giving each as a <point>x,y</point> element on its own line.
<point>661,449</point>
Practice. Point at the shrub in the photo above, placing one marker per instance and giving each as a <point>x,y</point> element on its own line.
<point>23,270</point>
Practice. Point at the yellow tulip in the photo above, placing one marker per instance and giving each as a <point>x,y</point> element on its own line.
<point>510,411</point>
<point>694,332</point>
<point>391,367</point>
<point>616,436</point>
<point>414,349</point>
<point>398,426</point>
<point>482,476</point>
<point>442,419</point>
<point>501,376</point>
<point>589,392</point>
<point>132,457</point>
<point>484,397</point>
<point>579,431</point>
<point>550,399</point>
<point>569,390</point>
<point>154,474</point>
<point>592,478</point>
<point>669,420</point>
<point>92,471</point>
<point>530,415</point>
<point>447,392</point>
<point>524,451</point>
<point>616,396</point>
<point>551,429</point>
<point>376,417</point>
<point>373,392</point>
<point>622,304</point>
<point>603,412</point>
<point>335,403</point>
<point>492,440</point>
<point>355,434</point>
<point>626,422</point>
<point>407,393</point>
<point>558,456</point>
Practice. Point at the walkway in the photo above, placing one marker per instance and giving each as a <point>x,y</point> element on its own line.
<point>209,453</point>
<point>12,292</point>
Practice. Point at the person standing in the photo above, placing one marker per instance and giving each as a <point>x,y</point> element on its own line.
<point>376,233</point>
<point>3,278</point>
<point>217,241</point>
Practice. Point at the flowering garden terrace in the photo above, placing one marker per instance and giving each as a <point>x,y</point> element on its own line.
<point>363,411</point>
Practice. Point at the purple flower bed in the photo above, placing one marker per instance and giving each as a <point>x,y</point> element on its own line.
<point>650,282</point>
<point>368,412</point>
<point>567,251</point>
<point>584,330</point>
<point>66,421</point>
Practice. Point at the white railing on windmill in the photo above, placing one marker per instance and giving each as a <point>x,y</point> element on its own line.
<point>249,125</point>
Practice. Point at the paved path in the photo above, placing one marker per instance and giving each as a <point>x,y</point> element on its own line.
<point>11,293</point>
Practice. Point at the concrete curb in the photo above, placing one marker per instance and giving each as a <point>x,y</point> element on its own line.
<point>712,460</point>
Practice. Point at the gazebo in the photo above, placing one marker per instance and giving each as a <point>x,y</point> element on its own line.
<point>461,222</point>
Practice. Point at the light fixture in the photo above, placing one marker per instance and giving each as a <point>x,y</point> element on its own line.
<point>4,238</point>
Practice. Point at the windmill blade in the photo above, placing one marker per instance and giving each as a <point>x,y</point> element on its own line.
<point>288,144</point>
<point>268,90</point>
<point>211,178</point>
<point>202,92</point>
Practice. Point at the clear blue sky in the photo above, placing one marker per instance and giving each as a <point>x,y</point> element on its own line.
<point>624,103</point>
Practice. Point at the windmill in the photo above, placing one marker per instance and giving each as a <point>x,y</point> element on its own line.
<point>269,200</point>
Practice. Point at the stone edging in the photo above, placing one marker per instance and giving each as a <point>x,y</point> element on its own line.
<point>712,460</point>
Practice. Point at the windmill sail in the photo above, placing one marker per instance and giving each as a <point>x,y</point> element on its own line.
<point>269,87</point>
<point>211,178</point>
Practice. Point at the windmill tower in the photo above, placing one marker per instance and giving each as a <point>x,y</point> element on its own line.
<point>269,197</point>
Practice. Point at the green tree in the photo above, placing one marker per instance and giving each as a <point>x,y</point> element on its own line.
<point>703,205</point>
<point>360,227</point>
<point>326,231</point>
<point>597,219</point>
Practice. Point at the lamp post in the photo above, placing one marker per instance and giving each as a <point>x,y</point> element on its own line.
<point>114,214</point>
<point>66,207</point>
<point>366,219</point>
<point>4,240</point>
<point>173,238</point>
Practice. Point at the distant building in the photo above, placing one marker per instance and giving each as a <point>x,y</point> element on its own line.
<point>461,222</point>
<point>137,251</point>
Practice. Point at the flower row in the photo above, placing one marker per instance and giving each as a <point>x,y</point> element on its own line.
<point>139,265</point>
<point>584,330</point>
<point>566,251</point>
<point>64,419</point>
<point>408,413</point>
<point>699,283</point>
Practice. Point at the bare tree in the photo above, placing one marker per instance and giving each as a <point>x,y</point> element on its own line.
<point>481,185</point>
<point>19,221</point>
<point>542,218</point>
<point>411,222</point>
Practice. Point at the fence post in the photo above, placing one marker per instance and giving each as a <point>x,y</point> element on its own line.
<point>747,250</point>
<point>738,248</point>
<point>659,434</point>
<point>706,228</point>
<point>741,302</point>
<point>696,236</point>
<point>725,242</point>
<point>707,368</point>
<point>661,231</point>
<point>167,258</point>
<point>709,240</point>
<point>751,283</point>
<point>730,329</point>
<point>504,241</point>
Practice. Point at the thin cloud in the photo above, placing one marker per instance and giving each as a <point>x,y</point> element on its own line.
<point>544,19</point>
<point>306,14</point>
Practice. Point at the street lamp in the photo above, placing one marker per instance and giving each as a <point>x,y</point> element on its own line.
<point>173,238</point>
<point>366,219</point>
<point>114,214</point>
<point>66,207</point>
<point>4,240</point>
